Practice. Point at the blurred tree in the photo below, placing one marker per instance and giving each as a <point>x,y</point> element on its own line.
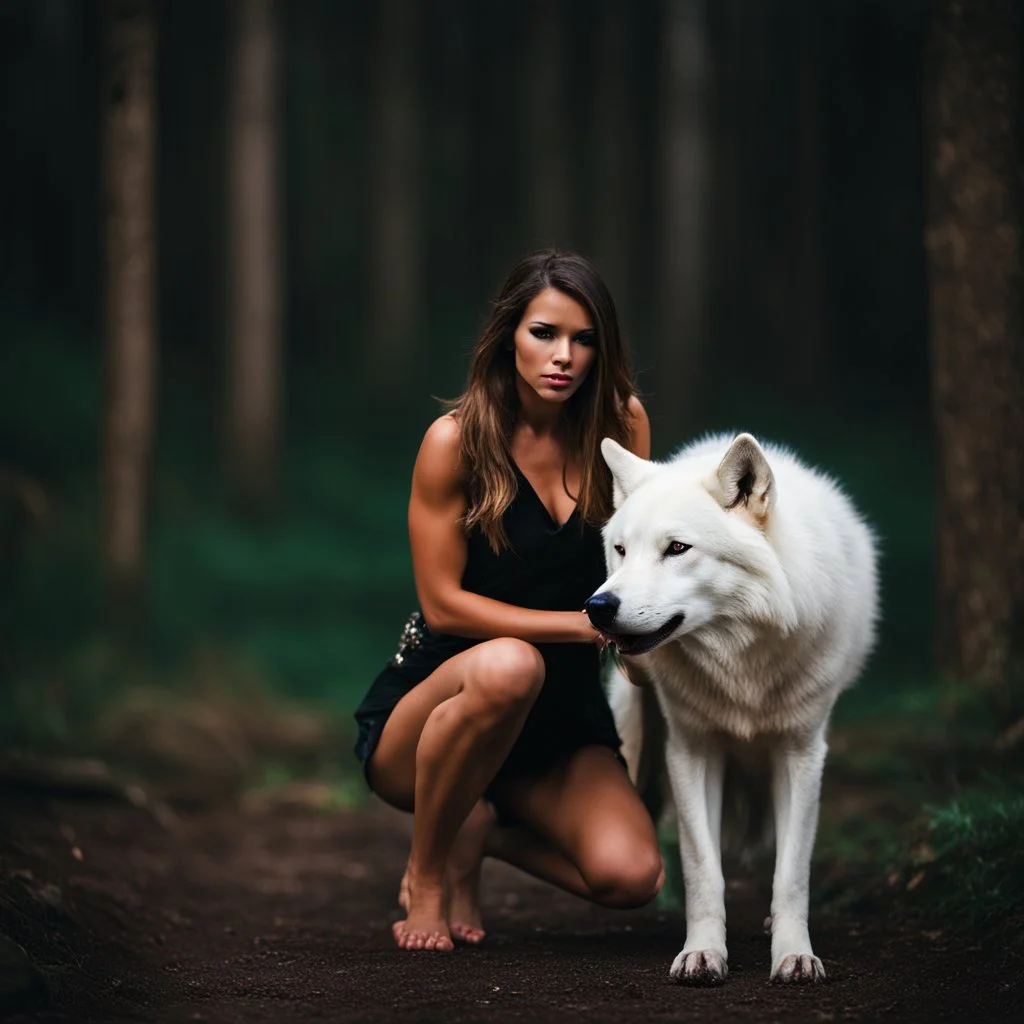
<point>614,142</point>
<point>744,68</point>
<point>395,250</point>
<point>803,322</point>
<point>682,284</point>
<point>973,116</point>
<point>547,147</point>
<point>128,155</point>
<point>447,219</point>
<point>254,363</point>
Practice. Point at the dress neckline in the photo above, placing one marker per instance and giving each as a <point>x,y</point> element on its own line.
<point>551,519</point>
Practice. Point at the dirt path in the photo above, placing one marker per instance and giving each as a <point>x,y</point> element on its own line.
<point>282,917</point>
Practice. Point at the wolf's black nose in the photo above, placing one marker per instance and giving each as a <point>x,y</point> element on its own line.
<point>602,608</point>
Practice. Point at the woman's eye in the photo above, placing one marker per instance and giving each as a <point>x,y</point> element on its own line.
<point>620,551</point>
<point>586,339</point>
<point>540,332</point>
<point>677,547</point>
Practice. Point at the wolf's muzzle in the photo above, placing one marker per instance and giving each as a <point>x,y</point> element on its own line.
<point>602,608</point>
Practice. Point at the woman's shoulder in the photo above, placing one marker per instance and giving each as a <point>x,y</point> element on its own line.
<point>438,462</point>
<point>635,408</point>
<point>444,434</point>
<point>639,427</point>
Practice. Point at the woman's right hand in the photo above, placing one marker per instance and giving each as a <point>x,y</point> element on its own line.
<point>590,635</point>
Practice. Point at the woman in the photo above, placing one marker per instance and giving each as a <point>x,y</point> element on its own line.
<point>493,702</point>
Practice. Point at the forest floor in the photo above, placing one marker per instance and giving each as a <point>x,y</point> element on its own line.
<point>271,913</point>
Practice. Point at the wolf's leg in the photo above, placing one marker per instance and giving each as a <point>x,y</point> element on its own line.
<point>796,787</point>
<point>696,768</point>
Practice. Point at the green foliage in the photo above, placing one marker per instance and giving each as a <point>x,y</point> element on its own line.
<point>312,597</point>
<point>977,873</point>
<point>891,834</point>
<point>317,596</point>
<point>315,600</point>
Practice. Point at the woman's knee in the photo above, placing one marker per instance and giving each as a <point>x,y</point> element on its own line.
<point>624,875</point>
<point>506,673</point>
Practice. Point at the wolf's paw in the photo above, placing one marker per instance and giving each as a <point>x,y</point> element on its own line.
<point>799,969</point>
<point>699,967</point>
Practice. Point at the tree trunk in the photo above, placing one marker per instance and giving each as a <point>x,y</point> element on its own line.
<point>614,141</point>
<point>128,157</point>
<point>254,364</point>
<point>454,257</point>
<point>804,337</point>
<point>682,297</point>
<point>548,146</point>
<point>740,116</point>
<point>396,234</point>
<point>972,115</point>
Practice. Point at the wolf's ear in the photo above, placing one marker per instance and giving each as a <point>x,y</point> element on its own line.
<point>628,470</point>
<point>744,478</point>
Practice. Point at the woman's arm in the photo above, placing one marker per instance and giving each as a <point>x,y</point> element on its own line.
<point>438,546</point>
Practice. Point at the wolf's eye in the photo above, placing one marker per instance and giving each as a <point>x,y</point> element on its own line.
<point>677,547</point>
<point>620,551</point>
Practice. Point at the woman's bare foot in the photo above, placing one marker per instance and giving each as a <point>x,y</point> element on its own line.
<point>462,877</point>
<point>426,926</point>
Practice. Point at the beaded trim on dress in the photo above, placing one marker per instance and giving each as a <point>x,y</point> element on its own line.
<point>414,632</point>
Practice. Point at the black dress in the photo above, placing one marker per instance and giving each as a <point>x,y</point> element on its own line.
<point>544,566</point>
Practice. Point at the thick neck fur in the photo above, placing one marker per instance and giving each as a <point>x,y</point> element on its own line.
<point>766,664</point>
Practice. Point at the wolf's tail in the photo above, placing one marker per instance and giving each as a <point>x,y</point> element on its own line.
<point>747,823</point>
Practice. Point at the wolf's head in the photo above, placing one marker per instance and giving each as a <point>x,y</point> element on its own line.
<point>690,544</point>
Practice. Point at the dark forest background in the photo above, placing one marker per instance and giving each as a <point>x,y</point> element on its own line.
<point>246,246</point>
<point>766,185</point>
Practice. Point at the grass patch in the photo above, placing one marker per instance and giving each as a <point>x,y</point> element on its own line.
<point>972,865</point>
<point>924,826</point>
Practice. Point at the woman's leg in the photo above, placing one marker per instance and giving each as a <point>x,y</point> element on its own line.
<point>442,745</point>
<point>584,829</point>
<point>462,876</point>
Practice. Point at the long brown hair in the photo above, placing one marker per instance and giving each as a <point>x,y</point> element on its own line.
<point>486,411</point>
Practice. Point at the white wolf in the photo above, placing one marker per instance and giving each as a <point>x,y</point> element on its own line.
<point>742,589</point>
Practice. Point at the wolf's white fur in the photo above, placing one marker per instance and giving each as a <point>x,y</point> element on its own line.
<point>779,595</point>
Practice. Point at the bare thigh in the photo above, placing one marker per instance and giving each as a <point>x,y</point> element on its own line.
<point>508,669</point>
<point>588,809</point>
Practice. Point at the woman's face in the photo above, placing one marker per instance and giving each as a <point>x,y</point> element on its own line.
<point>556,345</point>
